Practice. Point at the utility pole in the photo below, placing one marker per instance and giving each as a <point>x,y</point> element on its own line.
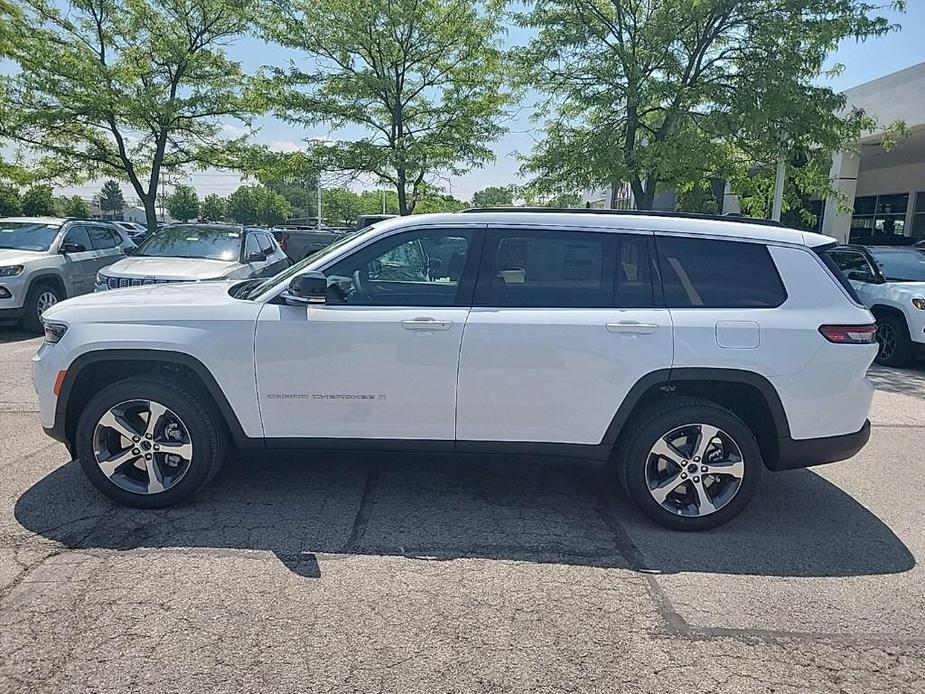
<point>383,201</point>
<point>319,199</point>
<point>779,188</point>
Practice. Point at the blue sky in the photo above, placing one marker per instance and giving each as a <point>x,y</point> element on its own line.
<point>863,62</point>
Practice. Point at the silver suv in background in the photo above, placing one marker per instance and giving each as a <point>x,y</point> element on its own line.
<point>44,260</point>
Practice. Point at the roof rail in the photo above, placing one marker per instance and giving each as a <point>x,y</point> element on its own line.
<point>728,217</point>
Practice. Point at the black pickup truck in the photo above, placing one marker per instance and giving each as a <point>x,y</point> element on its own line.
<point>301,241</point>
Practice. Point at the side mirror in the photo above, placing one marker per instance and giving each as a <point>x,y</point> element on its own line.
<point>256,257</point>
<point>71,248</point>
<point>859,276</point>
<point>306,289</point>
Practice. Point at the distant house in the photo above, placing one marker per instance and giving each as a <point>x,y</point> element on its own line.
<point>130,213</point>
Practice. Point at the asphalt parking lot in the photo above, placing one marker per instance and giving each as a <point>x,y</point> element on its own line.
<point>423,575</point>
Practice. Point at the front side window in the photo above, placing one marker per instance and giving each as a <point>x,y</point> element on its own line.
<point>419,268</point>
<point>853,265</point>
<point>27,236</point>
<point>76,240</point>
<point>704,273</point>
<point>193,241</point>
<point>251,244</point>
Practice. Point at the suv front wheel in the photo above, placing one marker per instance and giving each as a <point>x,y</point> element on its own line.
<point>691,464</point>
<point>148,443</point>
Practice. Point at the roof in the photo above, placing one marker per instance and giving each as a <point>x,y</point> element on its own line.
<point>732,228</point>
<point>37,220</point>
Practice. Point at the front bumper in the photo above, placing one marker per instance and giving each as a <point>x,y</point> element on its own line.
<point>797,453</point>
<point>13,299</point>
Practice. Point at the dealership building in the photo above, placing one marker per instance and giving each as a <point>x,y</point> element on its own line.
<point>884,190</point>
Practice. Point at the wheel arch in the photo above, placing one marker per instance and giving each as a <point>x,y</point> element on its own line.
<point>52,278</point>
<point>749,395</point>
<point>95,370</point>
<point>888,310</point>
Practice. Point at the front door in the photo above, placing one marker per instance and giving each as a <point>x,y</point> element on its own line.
<point>563,324</point>
<point>379,360</point>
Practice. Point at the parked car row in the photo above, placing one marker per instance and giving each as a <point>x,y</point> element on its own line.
<point>44,260</point>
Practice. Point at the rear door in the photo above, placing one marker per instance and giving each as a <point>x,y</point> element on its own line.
<point>563,324</point>
<point>80,260</point>
<point>107,246</point>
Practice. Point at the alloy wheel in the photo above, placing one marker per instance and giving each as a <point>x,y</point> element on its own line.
<point>886,337</point>
<point>142,446</point>
<point>45,301</point>
<point>694,470</point>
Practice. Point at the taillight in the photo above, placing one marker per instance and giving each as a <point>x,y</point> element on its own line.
<point>850,334</point>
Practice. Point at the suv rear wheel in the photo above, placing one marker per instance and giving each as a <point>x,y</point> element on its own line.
<point>691,464</point>
<point>148,443</point>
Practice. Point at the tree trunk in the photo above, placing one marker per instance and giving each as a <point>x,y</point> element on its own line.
<point>150,212</point>
<point>402,193</point>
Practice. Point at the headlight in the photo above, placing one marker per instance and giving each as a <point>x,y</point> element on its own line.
<point>10,270</point>
<point>54,332</point>
<point>102,282</point>
<point>919,303</point>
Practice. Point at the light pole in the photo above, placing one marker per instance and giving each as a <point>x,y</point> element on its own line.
<point>778,205</point>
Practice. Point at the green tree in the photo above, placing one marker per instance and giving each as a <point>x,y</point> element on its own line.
<point>125,89</point>
<point>494,196</point>
<point>665,92</point>
<point>422,78</point>
<point>74,206</point>
<point>340,206</point>
<point>213,208</point>
<point>183,203</point>
<point>10,203</point>
<point>257,204</point>
<point>371,202</point>
<point>110,199</point>
<point>38,202</point>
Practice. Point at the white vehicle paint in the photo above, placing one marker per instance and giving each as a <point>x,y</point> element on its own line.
<point>242,253</point>
<point>874,274</point>
<point>516,332</point>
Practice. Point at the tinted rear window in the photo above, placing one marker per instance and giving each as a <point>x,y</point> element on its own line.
<point>703,273</point>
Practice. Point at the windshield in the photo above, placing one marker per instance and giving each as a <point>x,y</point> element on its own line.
<point>193,241</point>
<point>27,236</point>
<point>906,265</point>
<point>285,275</point>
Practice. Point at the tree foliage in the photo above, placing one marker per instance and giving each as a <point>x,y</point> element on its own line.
<point>257,205</point>
<point>422,78</point>
<point>37,201</point>
<point>494,196</point>
<point>10,202</point>
<point>213,208</point>
<point>183,203</point>
<point>110,198</point>
<point>74,206</point>
<point>657,92</point>
<point>125,89</point>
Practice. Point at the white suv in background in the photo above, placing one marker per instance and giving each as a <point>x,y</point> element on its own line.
<point>691,353</point>
<point>44,260</point>
<point>890,281</point>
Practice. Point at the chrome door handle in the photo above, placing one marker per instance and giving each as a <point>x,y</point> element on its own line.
<point>426,323</point>
<point>633,327</point>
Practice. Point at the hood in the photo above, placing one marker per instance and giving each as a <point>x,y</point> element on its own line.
<point>907,288</point>
<point>170,268</point>
<point>159,295</point>
<point>13,256</point>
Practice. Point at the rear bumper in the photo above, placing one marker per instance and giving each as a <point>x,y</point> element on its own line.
<point>797,453</point>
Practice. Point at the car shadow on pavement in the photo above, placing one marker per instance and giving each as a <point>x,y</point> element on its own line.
<point>439,509</point>
<point>10,333</point>
<point>907,381</point>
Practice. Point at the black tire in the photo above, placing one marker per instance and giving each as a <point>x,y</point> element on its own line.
<point>206,430</point>
<point>31,320</point>
<point>664,417</point>
<point>894,341</point>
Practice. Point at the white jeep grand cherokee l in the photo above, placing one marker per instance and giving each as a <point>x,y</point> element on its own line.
<point>689,352</point>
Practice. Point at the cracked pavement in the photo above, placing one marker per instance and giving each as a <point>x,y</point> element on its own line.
<point>421,574</point>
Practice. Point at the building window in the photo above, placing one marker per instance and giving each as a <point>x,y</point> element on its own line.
<point>879,215</point>
<point>918,218</point>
